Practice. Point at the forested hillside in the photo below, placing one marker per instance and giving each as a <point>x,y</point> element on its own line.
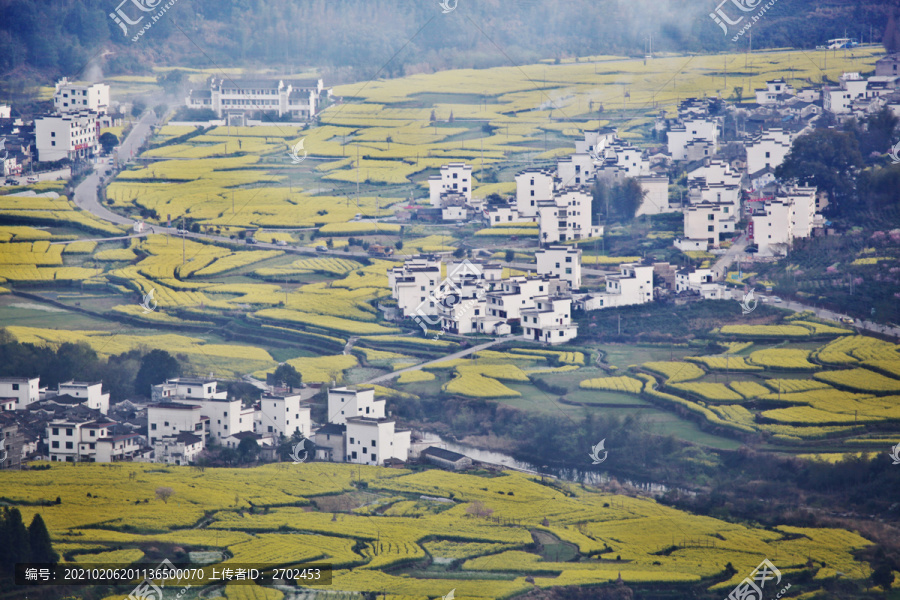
<point>49,38</point>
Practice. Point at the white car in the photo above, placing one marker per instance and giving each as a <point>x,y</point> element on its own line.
<point>32,180</point>
<point>776,300</point>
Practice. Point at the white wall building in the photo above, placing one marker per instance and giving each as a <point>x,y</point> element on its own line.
<point>575,170</point>
<point>774,92</point>
<point>228,96</point>
<point>708,221</point>
<point>92,392</point>
<point>414,284</point>
<point>768,150</point>
<point>703,131</point>
<point>560,261</point>
<point>282,414</point>
<point>781,220</point>
<point>345,403</point>
<point>372,441</point>
<point>76,96</point>
<point>72,136</point>
<point>656,195</point>
<point>567,217</point>
<point>533,186</point>
<point>550,321</point>
<point>455,178</point>
<point>75,440</point>
<point>851,87</point>
<point>181,449</point>
<point>23,390</point>
<point>633,285</point>
<point>171,418</point>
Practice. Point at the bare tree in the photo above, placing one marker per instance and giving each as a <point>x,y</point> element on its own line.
<point>164,493</point>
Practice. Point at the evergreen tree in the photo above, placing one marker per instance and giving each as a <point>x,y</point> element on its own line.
<point>20,551</point>
<point>6,560</point>
<point>891,38</point>
<point>39,540</point>
<point>156,367</point>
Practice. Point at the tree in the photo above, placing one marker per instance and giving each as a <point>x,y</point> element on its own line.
<point>160,110</point>
<point>171,82</point>
<point>827,159</point>
<point>156,367</point>
<point>891,38</point>
<point>459,252</point>
<point>108,141</point>
<point>137,108</point>
<point>399,245</point>
<point>39,540</point>
<point>738,93</point>
<point>164,493</point>
<point>248,449</point>
<point>509,256</point>
<point>883,576</point>
<point>288,374</point>
<point>17,535</point>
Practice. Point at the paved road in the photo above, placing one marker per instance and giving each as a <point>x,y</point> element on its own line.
<point>721,266</point>
<point>459,354</point>
<point>86,196</point>
<point>827,314</point>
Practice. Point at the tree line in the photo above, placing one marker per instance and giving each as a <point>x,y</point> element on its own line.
<point>20,544</point>
<point>366,38</point>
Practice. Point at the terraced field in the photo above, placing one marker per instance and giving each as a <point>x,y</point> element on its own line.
<point>268,515</point>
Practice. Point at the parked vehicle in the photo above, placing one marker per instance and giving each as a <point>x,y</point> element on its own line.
<point>281,243</point>
<point>776,300</point>
<point>32,180</point>
<point>12,181</point>
<point>321,249</point>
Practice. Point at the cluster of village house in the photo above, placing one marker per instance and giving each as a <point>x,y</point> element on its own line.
<point>75,423</point>
<point>82,109</point>
<point>474,298</point>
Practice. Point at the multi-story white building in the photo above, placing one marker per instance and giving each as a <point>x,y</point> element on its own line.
<point>533,186</point>
<point>633,285</point>
<point>91,392</point>
<point>768,150</point>
<point>22,390</point>
<point>282,414</point>
<point>595,141</point>
<point>655,190</point>
<point>72,135</point>
<point>781,220</point>
<point>372,441</point>
<point>184,387</point>
<point>344,403</point>
<point>560,261</point>
<point>414,284</point>
<point>227,96</point>
<point>775,91</point>
<point>696,133</point>
<point>77,96</point>
<point>575,170</point>
<point>705,224</point>
<point>75,440</point>
<point>455,178</point>
<point>853,88</point>
<point>166,419</point>
<point>700,281</point>
<point>507,300</point>
<point>181,449</point>
<point>550,320</point>
<point>567,217</point>
<point>226,416</point>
